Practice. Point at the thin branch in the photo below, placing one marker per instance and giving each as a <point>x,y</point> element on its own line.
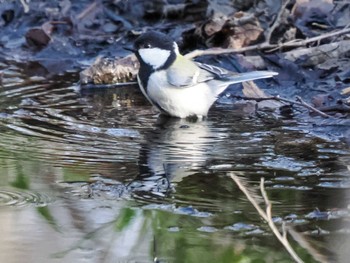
<point>267,216</point>
<point>88,10</point>
<point>281,237</point>
<point>249,197</point>
<point>266,45</point>
<point>303,242</point>
<point>277,21</point>
<point>219,51</point>
<point>342,108</point>
<point>303,103</point>
<point>298,102</point>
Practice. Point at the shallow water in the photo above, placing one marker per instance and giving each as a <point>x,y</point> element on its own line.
<point>97,176</point>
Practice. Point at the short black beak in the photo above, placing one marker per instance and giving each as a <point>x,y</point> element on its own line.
<point>133,50</point>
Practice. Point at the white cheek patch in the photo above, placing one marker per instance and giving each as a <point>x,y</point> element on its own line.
<point>176,48</point>
<point>155,57</point>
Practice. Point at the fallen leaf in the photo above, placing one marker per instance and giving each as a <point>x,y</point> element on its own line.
<point>239,30</point>
<point>37,37</point>
<point>312,16</point>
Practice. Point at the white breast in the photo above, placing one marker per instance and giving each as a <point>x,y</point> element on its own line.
<point>177,101</point>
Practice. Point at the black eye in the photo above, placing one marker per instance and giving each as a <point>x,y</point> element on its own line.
<point>147,45</point>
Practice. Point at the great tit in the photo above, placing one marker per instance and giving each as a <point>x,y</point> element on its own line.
<point>178,86</point>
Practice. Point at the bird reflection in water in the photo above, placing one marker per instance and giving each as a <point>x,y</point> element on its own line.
<point>177,148</point>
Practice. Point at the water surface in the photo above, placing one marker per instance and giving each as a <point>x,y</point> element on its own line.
<point>98,176</point>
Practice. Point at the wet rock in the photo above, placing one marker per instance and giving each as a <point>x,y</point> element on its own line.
<point>110,71</point>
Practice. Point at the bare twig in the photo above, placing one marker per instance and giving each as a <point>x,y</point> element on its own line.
<point>281,237</point>
<point>249,197</point>
<point>277,21</point>
<point>342,108</point>
<point>25,6</point>
<point>219,51</point>
<point>299,102</point>
<point>88,10</point>
<point>267,216</point>
<point>303,103</point>
<point>300,43</point>
<point>323,256</point>
<point>266,45</point>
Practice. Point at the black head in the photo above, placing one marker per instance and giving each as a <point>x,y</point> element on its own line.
<point>155,50</point>
<point>154,39</point>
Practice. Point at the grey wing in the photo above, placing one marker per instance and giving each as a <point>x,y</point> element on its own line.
<point>180,78</point>
<point>189,74</point>
<point>233,77</point>
<point>217,72</point>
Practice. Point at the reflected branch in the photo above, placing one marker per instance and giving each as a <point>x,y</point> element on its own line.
<point>267,215</point>
<point>281,237</point>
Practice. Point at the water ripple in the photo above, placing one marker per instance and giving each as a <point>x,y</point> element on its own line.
<point>23,198</point>
<point>54,122</point>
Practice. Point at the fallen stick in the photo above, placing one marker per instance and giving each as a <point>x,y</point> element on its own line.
<point>342,108</point>
<point>303,103</point>
<point>266,45</point>
<point>298,102</point>
<point>315,55</point>
<point>277,21</point>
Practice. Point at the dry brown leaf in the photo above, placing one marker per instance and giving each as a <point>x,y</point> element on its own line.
<point>214,25</point>
<point>251,90</point>
<point>37,37</point>
<point>244,35</point>
<point>238,30</point>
